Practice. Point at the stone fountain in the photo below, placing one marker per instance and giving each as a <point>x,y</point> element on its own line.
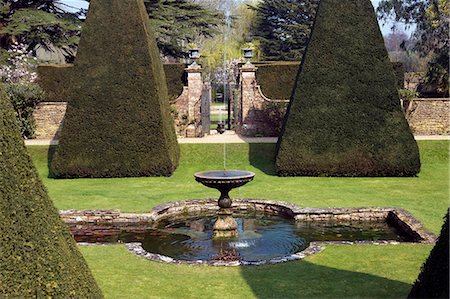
<point>224,181</point>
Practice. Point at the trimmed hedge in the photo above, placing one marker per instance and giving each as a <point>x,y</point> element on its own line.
<point>176,78</point>
<point>55,80</point>
<point>433,280</point>
<point>277,79</point>
<point>344,118</point>
<point>118,120</point>
<point>38,256</point>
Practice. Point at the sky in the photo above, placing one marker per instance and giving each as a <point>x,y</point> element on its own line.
<point>385,28</point>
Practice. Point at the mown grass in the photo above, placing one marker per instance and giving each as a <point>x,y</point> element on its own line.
<point>425,196</point>
<point>371,271</point>
<point>337,272</point>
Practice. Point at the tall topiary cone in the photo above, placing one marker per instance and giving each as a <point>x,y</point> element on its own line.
<point>433,280</point>
<point>38,256</point>
<point>344,118</point>
<point>118,120</point>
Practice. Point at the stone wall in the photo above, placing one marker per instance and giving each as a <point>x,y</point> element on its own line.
<point>428,116</point>
<point>254,118</point>
<point>49,117</point>
<point>261,116</point>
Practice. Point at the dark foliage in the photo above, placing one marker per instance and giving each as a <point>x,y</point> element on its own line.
<point>176,78</point>
<point>283,27</point>
<point>118,119</point>
<point>433,280</point>
<point>55,80</point>
<point>399,71</point>
<point>37,22</point>
<point>344,118</point>
<point>430,18</point>
<point>285,74</point>
<point>38,256</point>
<point>24,98</point>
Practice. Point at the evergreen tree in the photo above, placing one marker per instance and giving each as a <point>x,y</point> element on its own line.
<point>344,118</point>
<point>431,18</point>
<point>118,120</point>
<point>433,280</point>
<point>37,22</point>
<point>283,27</point>
<point>38,256</point>
<point>180,22</point>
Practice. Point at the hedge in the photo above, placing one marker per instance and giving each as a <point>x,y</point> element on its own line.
<point>38,256</point>
<point>277,78</point>
<point>118,121</point>
<point>55,80</point>
<point>176,78</point>
<point>433,280</point>
<point>344,118</point>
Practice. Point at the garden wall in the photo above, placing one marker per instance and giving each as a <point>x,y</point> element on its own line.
<point>185,86</point>
<point>428,116</point>
<point>264,101</point>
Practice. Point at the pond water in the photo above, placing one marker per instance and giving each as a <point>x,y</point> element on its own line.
<point>260,237</point>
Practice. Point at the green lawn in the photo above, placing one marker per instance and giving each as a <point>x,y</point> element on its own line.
<point>339,271</point>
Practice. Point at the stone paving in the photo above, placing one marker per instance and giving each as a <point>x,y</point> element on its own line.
<point>227,137</point>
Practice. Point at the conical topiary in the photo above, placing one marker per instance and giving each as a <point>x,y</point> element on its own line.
<point>118,120</point>
<point>38,256</point>
<point>344,118</point>
<point>433,280</point>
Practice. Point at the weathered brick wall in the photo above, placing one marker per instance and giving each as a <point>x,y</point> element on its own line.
<point>428,116</point>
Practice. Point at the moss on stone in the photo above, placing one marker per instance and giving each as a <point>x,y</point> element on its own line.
<point>344,118</point>
<point>38,256</point>
<point>118,120</point>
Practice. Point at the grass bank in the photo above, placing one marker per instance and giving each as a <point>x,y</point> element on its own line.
<point>425,196</point>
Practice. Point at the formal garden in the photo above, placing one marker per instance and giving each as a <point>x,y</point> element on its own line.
<point>345,202</point>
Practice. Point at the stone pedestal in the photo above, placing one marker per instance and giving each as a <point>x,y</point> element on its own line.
<point>225,226</point>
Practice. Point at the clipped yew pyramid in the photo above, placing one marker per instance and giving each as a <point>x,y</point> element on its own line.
<point>344,118</point>
<point>38,256</point>
<point>433,280</point>
<point>118,120</point>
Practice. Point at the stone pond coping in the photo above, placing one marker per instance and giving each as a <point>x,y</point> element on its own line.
<point>172,210</point>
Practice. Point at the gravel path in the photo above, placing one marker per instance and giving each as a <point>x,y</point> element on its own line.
<point>227,137</point>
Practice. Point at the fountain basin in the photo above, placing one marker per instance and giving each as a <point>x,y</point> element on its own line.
<point>224,181</point>
<point>180,220</point>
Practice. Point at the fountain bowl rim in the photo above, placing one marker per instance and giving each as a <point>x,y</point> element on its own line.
<point>244,175</point>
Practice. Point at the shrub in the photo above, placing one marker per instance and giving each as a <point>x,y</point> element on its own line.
<point>433,280</point>
<point>277,79</point>
<point>118,119</point>
<point>176,78</point>
<point>24,98</point>
<point>344,118</point>
<point>38,256</point>
<point>55,80</point>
